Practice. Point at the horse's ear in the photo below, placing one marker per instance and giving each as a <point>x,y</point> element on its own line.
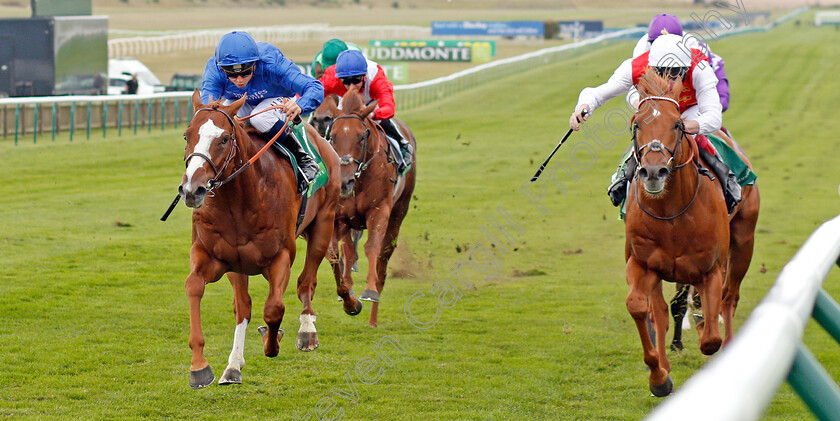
<point>367,110</point>
<point>332,106</point>
<point>234,108</point>
<point>196,101</point>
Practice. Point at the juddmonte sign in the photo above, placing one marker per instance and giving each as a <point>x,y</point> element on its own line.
<point>476,51</point>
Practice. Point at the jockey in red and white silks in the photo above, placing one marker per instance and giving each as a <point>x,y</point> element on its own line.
<point>667,51</point>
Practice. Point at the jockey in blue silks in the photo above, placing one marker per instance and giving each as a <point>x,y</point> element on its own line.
<point>243,66</point>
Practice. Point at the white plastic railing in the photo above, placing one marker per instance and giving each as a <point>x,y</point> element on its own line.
<point>171,42</point>
<point>739,383</point>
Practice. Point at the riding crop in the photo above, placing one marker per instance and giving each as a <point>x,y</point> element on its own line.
<point>542,167</point>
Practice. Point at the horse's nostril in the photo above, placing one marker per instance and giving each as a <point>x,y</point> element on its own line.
<point>181,190</point>
<point>200,191</point>
<point>663,172</point>
<point>643,173</point>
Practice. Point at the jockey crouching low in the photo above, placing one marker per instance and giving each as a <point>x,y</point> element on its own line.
<point>242,66</point>
<point>699,105</point>
<point>353,69</point>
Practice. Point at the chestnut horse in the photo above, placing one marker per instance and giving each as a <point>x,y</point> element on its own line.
<point>678,229</point>
<point>244,224</point>
<point>373,196</point>
<point>322,117</point>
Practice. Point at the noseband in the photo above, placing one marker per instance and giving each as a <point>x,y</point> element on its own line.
<point>656,145</point>
<point>214,182</point>
<point>361,164</point>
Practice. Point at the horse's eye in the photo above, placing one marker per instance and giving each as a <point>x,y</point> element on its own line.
<point>185,135</point>
<point>225,139</point>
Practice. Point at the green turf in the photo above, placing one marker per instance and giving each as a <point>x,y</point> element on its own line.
<point>95,319</point>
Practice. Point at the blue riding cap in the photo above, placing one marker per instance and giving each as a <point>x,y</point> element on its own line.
<point>236,48</point>
<point>350,63</point>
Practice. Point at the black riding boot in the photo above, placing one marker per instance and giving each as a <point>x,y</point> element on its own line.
<point>731,188</point>
<point>405,147</point>
<point>618,189</point>
<point>308,168</point>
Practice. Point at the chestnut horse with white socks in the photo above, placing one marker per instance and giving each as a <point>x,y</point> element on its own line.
<point>244,223</point>
<point>678,229</point>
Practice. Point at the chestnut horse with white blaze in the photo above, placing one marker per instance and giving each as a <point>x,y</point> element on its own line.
<point>244,223</point>
<point>678,229</point>
<point>373,196</point>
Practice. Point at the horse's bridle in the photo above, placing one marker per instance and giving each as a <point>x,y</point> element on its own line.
<point>214,182</point>
<point>361,164</point>
<point>656,146</point>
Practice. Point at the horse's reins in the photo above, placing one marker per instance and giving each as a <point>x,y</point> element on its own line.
<point>213,183</point>
<point>361,163</point>
<point>657,146</point>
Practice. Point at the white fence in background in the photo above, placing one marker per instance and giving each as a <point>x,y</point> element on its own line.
<point>279,35</point>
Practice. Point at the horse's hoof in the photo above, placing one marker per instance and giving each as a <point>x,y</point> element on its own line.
<point>263,330</point>
<point>307,341</point>
<point>201,378</point>
<point>357,309</point>
<point>663,389</point>
<point>710,347</point>
<point>369,295</point>
<point>231,376</point>
<point>677,346</point>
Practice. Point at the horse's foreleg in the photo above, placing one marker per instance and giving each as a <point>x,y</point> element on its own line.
<point>277,275</point>
<point>377,225</point>
<point>642,282</point>
<point>660,323</point>
<point>242,312</point>
<point>710,295</point>
<point>204,271</point>
<point>679,306</point>
<point>352,305</point>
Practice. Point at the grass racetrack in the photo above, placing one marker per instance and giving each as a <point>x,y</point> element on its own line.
<point>95,318</point>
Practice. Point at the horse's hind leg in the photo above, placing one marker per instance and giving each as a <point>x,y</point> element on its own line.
<point>377,225</point>
<point>319,237</point>
<point>710,294</point>
<point>679,306</point>
<point>242,312</point>
<point>741,242</point>
<point>642,282</point>
<point>389,244</point>
<point>277,275</point>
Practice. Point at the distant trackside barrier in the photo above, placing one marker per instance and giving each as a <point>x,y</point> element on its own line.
<point>21,117</point>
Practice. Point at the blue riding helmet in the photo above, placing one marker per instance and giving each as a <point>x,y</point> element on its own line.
<point>350,63</point>
<point>236,48</point>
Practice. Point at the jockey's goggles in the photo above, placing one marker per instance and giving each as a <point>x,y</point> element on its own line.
<point>672,73</point>
<point>237,70</point>
<point>352,80</point>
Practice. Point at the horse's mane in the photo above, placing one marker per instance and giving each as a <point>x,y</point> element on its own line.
<point>352,103</point>
<point>651,84</point>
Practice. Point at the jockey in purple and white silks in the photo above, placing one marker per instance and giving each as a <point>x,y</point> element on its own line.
<point>242,66</point>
